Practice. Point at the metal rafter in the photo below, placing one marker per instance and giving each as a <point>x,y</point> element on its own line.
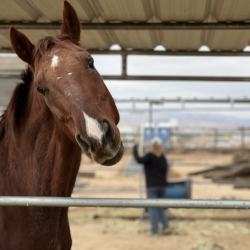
<point>180,100</point>
<point>183,104</point>
<point>16,74</point>
<point>215,109</point>
<point>131,25</point>
<point>178,78</point>
<point>155,53</point>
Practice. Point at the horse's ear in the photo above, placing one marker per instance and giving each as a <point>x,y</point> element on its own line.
<point>21,45</point>
<point>71,24</point>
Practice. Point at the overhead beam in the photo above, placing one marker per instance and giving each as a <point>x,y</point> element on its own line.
<point>183,105</point>
<point>131,25</point>
<point>214,110</point>
<point>179,78</point>
<point>186,100</point>
<point>155,53</point>
<point>151,103</point>
<point>10,75</point>
<point>15,75</point>
<point>167,53</point>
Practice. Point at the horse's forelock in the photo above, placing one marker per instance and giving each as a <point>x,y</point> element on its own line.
<point>42,46</point>
<point>47,43</point>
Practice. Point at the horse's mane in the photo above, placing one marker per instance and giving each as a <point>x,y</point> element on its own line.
<point>12,115</point>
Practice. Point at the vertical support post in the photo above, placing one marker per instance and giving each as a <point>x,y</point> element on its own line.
<point>215,138</point>
<point>150,118</point>
<point>141,145</point>
<point>232,103</point>
<point>133,105</point>
<point>182,104</point>
<point>170,138</point>
<point>150,121</point>
<point>242,137</point>
<point>124,65</point>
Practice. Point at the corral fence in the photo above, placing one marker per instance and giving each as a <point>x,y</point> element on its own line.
<point>122,203</point>
<point>200,139</point>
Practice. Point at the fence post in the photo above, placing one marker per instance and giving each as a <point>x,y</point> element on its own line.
<point>242,137</point>
<point>215,138</point>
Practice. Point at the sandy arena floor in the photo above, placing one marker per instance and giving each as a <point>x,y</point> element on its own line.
<point>110,232</point>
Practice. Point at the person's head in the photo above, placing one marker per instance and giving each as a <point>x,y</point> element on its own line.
<point>156,146</point>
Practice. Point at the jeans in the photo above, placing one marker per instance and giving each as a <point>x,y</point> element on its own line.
<point>156,214</point>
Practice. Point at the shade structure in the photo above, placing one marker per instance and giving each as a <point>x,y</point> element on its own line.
<point>144,12</point>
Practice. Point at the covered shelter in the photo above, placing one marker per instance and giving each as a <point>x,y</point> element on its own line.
<point>139,27</point>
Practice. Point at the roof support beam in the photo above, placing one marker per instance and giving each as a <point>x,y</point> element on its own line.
<point>167,53</point>
<point>184,108</point>
<point>132,25</point>
<point>179,78</point>
<point>137,110</point>
<point>155,53</point>
<point>16,75</point>
<point>186,100</point>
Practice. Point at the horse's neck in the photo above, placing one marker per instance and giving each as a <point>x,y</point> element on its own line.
<point>42,160</point>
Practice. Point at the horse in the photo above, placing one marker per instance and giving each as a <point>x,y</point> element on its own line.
<point>61,110</point>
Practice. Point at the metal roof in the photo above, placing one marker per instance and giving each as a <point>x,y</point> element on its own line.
<point>188,36</point>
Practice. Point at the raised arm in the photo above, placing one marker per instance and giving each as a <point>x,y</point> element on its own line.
<point>138,158</point>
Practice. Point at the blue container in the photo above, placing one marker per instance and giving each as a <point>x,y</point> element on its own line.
<point>164,135</point>
<point>148,133</point>
<point>177,190</point>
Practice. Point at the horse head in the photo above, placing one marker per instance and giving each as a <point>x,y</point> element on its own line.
<point>67,82</point>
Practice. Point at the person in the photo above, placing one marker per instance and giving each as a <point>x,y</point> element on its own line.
<point>155,167</point>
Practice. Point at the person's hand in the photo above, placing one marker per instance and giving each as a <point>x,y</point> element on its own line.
<point>136,143</point>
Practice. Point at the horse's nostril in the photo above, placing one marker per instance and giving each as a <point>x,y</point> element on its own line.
<point>109,134</point>
<point>83,144</point>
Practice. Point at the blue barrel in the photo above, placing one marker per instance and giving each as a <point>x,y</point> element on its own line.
<point>178,190</point>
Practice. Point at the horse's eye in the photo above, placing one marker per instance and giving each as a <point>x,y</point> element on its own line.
<point>42,90</point>
<point>90,64</point>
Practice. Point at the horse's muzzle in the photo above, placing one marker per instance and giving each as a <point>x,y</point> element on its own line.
<point>104,156</point>
<point>116,158</point>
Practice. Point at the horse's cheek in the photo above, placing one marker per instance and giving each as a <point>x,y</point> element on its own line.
<point>58,110</point>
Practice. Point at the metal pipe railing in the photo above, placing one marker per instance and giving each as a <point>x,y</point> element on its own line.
<point>123,203</point>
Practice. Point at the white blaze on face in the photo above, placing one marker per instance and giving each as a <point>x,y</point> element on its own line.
<point>93,128</point>
<point>54,61</point>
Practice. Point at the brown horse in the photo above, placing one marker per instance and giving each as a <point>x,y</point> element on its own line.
<point>61,109</point>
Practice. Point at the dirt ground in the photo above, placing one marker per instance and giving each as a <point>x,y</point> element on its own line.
<point>103,228</point>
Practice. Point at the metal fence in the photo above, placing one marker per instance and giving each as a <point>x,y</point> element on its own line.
<point>123,203</point>
<point>201,139</point>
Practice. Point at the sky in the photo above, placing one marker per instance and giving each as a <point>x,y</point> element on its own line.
<point>180,66</point>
